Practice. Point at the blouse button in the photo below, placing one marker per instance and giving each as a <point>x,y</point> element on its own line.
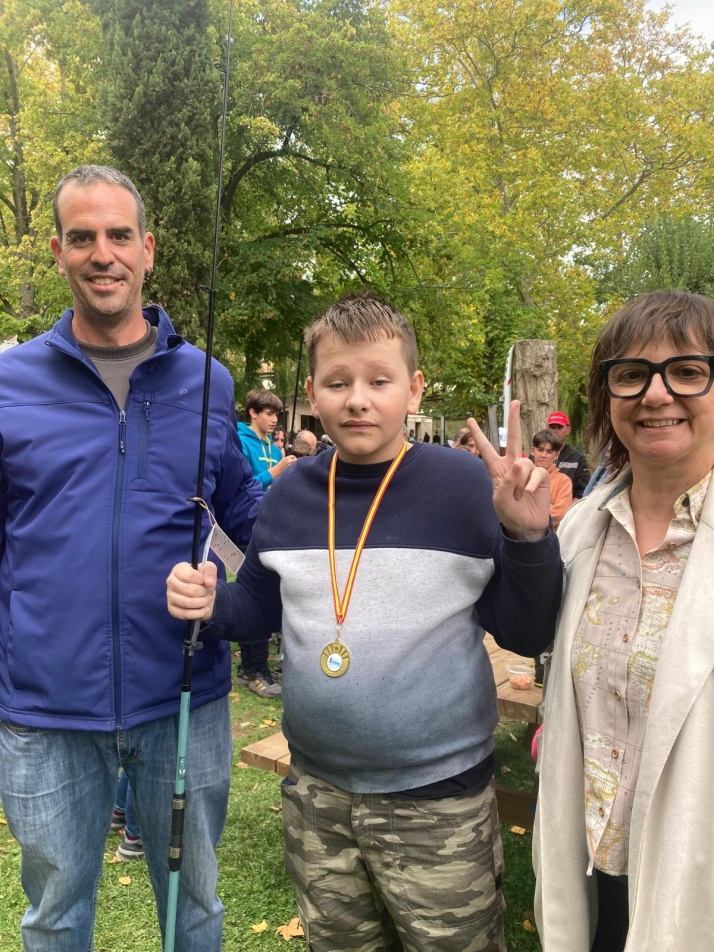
<point>601,811</point>
<point>618,695</point>
<point>615,754</point>
<point>625,637</point>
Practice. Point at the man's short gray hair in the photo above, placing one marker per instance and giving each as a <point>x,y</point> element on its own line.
<point>85,175</point>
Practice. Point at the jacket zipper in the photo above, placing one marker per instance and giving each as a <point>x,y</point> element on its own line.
<point>144,439</point>
<point>116,650</point>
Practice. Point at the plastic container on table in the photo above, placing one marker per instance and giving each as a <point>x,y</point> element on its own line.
<point>520,676</point>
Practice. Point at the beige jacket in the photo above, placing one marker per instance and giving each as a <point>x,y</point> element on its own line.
<point>671,851</point>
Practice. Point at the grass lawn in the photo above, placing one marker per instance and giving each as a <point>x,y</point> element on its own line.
<point>253,884</point>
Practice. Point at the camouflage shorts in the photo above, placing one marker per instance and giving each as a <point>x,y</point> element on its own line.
<point>373,874</point>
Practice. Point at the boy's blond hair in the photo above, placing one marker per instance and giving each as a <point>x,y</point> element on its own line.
<point>361,317</point>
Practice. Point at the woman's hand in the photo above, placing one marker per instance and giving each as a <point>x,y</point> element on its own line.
<point>521,491</point>
<point>190,592</point>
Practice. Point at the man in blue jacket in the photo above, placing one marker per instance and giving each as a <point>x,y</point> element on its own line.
<point>99,433</point>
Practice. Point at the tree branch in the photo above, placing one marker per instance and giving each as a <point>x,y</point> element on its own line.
<point>642,177</point>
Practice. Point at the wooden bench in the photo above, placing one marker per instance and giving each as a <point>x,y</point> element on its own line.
<point>516,807</point>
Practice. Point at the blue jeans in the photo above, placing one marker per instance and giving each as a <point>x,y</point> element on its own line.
<point>58,789</point>
<point>125,803</point>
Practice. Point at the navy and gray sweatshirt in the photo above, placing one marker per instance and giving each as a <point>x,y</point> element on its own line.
<point>418,702</point>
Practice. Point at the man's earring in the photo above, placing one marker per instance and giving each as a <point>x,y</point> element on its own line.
<point>147,275</point>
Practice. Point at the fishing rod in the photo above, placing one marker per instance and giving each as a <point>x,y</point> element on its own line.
<point>191,644</point>
<point>295,396</point>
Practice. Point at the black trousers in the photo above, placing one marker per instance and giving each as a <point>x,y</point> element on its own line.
<point>254,655</point>
<point>613,919</point>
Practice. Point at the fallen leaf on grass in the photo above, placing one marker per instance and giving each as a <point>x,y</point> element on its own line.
<point>241,766</point>
<point>505,769</point>
<point>520,830</point>
<point>114,859</point>
<point>293,930</point>
<point>125,880</point>
<point>234,694</point>
<point>513,738</point>
<point>3,821</point>
<point>259,926</point>
<point>528,925</point>
<point>247,724</point>
<point>268,722</point>
<point>278,809</point>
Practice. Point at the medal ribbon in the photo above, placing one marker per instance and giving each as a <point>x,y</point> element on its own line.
<point>342,606</point>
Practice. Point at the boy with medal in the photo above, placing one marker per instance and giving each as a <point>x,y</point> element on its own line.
<point>389,813</point>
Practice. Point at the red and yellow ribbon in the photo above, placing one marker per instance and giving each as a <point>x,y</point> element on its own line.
<point>341,606</point>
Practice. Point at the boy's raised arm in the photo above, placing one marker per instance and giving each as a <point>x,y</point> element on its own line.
<point>520,604</point>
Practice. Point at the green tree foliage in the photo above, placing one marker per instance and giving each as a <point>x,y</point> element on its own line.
<point>670,252</point>
<point>315,147</point>
<point>48,59</point>
<point>492,168</point>
<point>548,130</point>
<point>159,95</point>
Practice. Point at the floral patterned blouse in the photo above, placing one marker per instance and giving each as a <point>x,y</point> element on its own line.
<point>614,663</point>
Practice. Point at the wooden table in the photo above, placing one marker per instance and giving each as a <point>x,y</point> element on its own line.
<point>513,703</point>
<point>516,807</point>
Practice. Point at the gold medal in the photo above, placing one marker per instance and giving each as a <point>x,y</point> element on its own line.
<point>335,659</point>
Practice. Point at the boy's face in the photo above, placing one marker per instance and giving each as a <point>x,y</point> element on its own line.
<point>264,421</point>
<point>361,394</point>
<point>544,456</point>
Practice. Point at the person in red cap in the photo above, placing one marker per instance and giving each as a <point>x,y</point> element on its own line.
<point>571,462</point>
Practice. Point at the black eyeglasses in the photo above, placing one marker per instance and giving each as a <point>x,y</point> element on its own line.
<point>629,377</point>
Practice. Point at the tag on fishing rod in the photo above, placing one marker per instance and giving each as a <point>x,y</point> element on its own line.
<point>219,543</point>
<point>227,551</point>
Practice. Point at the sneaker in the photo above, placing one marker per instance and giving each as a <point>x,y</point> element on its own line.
<point>131,847</point>
<point>263,684</point>
<point>244,677</point>
<point>118,821</point>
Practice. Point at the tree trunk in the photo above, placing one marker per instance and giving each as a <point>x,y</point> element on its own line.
<point>27,299</point>
<point>535,384</point>
<point>493,426</point>
<point>22,218</point>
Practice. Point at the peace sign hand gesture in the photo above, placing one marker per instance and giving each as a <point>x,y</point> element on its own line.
<point>521,490</point>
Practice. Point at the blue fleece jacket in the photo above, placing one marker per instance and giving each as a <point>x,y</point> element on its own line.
<point>261,454</point>
<point>93,514</point>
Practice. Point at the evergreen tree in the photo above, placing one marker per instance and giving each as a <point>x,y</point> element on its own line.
<point>160,98</point>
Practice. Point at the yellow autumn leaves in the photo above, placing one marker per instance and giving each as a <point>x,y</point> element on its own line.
<point>291,930</point>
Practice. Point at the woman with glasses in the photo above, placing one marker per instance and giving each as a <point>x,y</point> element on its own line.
<point>624,838</point>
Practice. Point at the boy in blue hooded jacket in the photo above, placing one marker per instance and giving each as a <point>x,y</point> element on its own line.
<point>267,462</point>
